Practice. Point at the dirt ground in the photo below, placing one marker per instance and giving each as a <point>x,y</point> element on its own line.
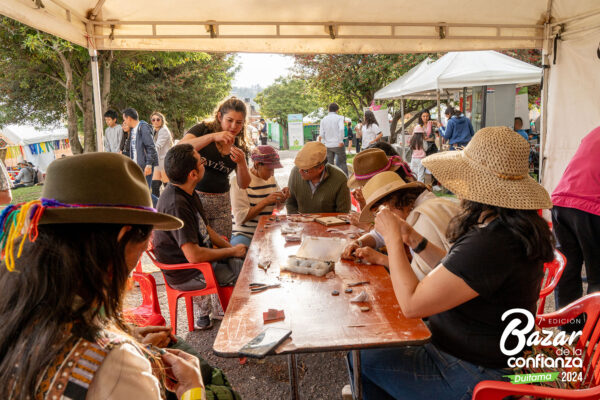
<point>321,375</point>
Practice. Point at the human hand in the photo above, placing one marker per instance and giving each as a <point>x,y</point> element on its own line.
<point>223,137</point>
<point>157,339</point>
<point>239,250</point>
<point>140,332</point>
<point>387,223</point>
<point>274,198</point>
<point>348,253</point>
<point>341,144</point>
<point>370,255</point>
<point>182,370</point>
<point>358,195</point>
<point>286,192</point>
<point>147,170</point>
<point>238,156</point>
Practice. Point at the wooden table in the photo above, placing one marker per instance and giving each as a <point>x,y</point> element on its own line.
<point>318,320</point>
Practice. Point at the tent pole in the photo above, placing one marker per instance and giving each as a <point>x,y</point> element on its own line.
<point>546,53</point>
<point>97,100</point>
<point>403,133</point>
<point>439,113</point>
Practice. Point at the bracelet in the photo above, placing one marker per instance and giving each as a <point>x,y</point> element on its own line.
<point>193,394</point>
<point>421,246</point>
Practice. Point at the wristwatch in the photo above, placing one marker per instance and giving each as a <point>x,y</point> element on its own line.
<point>421,246</point>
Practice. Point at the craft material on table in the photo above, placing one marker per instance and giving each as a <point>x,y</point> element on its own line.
<point>358,283</point>
<point>360,298</point>
<point>322,248</point>
<point>330,221</point>
<point>273,315</point>
<point>308,266</point>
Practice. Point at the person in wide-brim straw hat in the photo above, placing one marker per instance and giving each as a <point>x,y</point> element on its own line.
<point>66,262</point>
<point>495,264</point>
<point>371,162</point>
<point>413,202</point>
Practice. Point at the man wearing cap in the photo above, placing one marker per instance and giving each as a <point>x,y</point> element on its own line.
<point>260,198</point>
<point>25,176</point>
<point>331,133</point>
<point>315,186</point>
<point>194,242</point>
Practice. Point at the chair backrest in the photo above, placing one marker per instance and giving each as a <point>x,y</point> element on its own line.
<point>552,273</point>
<point>589,341</point>
<point>354,202</point>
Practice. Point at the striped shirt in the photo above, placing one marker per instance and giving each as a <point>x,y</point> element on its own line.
<point>244,199</point>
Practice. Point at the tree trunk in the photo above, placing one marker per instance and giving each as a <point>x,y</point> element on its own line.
<point>72,128</point>
<point>284,139</point>
<point>179,128</point>
<point>106,64</point>
<point>89,137</point>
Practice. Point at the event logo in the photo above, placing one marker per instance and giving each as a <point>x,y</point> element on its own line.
<point>522,328</point>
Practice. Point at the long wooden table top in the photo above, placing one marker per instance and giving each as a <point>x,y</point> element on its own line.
<point>318,320</point>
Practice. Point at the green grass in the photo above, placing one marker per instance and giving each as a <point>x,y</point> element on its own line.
<point>24,194</point>
<point>350,157</point>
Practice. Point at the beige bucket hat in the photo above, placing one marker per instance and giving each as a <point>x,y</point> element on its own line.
<point>367,164</point>
<point>310,155</point>
<point>380,186</point>
<point>493,169</point>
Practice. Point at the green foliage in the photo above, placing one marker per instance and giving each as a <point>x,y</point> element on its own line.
<point>286,96</point>
<point>184,86</point>
<point>351,80</point>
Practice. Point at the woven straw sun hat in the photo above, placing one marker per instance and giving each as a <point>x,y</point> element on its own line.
<point>380,186</point>
<point>493,169</point>
<point>367,164</point>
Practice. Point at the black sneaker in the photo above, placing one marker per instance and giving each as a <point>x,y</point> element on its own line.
<point>203,323</point>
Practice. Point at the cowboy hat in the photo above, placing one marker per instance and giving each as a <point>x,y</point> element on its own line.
<point>380,186</point>
<point>367,164</point>
<point>100,188</point>
<point>493,169</point>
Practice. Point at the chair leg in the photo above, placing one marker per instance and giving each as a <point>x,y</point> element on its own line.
<point>173,312</point>
<point>189,305</point>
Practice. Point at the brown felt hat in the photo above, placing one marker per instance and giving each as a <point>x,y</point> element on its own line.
<point>369,162</point>
<point>312,154</point>
<point>493,169</point>
<point>100,188</point>
<point>380,186</point>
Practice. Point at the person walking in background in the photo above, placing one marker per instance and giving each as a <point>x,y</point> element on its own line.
<point>223,142</point>
<point>5,193</point>
<point>163,142</point>
<point>371,133</point>
<point>417,144</point>
<point>350,136</point>
<point>262,132</point>
<point>358,135</point>
<point>141,145</point>
<point>113,134</point>
<point>458,131</point>
<point>331,134</point>
<point>519,128</point>
<point>428,132</point>
<point>576,221</point>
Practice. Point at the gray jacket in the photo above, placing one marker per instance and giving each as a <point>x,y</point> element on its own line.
<point>163,142</point>
<point>112,139</point>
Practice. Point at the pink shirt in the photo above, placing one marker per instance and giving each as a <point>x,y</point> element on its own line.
<point>579,186</point>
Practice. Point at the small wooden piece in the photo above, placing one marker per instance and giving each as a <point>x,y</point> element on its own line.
<point>273,315</point>
<point>348,290</point>
<point>335,293</point>
<point>364,309</point>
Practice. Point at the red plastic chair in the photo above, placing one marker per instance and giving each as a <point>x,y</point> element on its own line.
<point>173,295</point>
<point>147,314</point>
<point>354,202</point>
<point>495,390</point>
<point>552,272</point>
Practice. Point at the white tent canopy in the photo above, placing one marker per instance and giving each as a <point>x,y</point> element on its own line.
<point>570,108</point>
<point>461,69</point>
<point>26,134</point>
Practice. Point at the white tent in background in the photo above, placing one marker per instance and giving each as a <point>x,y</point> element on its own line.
<point>390,91</point>
<point>460,69</point>
<point>25,135</point>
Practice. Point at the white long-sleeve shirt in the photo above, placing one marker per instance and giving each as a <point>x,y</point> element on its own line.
<point>331,130</point>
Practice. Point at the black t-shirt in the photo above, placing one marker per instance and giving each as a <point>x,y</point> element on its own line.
<point>167,244</point>
<point>217,167</point>
<point>491,260</point>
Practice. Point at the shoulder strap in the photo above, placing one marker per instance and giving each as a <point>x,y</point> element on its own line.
<point>73,370</point>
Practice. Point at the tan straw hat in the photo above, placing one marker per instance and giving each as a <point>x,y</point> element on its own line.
<point>380,186</point>
<point>493,169</point>
<point>313,153</point>
<point>367,164</point>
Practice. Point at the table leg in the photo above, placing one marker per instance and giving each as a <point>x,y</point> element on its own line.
<point>356,373</point>
<point>293,371</point>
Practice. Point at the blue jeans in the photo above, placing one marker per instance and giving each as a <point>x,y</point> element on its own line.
<point>237,239</point>
<point>149,181</point>
<point>420,372</point>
